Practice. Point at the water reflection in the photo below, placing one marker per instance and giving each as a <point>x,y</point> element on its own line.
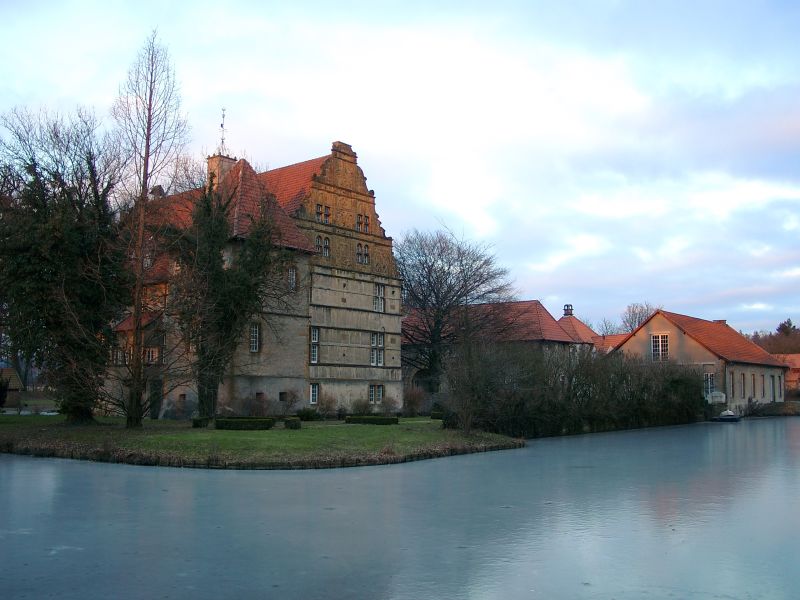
<point>685,512</point>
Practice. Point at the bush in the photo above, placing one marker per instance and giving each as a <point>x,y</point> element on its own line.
<point>437,414</point>
<point>200,422</point>
<point>244,423</point>
<point>341,413</point>
<point>412,401</point>
<point>372,420</point>
<point>326,406</point>
<point>361,407</point>
<point>4,383</point>
<point>291,422</point>
<point>308,414</point>
<point>388,406</point>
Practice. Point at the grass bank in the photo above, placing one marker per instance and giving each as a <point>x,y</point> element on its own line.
<point>176,444</point>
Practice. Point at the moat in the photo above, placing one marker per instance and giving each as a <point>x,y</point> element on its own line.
<point>700,511</point>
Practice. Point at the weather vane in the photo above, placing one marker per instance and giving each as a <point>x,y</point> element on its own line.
<point>222,149</point>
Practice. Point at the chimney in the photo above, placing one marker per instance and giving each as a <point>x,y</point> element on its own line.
<point>568,310</point>
<point>721,321</point>
<point>218,166</point>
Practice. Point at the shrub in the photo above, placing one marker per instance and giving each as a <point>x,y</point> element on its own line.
<point>341,413</point>
<point>326,406</point>
<point>200,422</point>
<point>361,407</point>
<point>4,383</point>
<point>412,401</point>
<point>437,414</point>
<point>308,414</point>
<point>388,406</point>
<point>291,422</point>
<point>242,423</point>
<point>372,420</point>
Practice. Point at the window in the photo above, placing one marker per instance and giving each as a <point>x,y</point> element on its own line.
<point>314,355</point>
<point>291,279</point>
<point>359,222</point>
<point>708,383</point>
<point>319,213</point>
<point>151,355</point>
<point>366,254</point>
<point>375,394</point>
<point>753,382</point>
<point>359,254</point>
<point>660,347</point>
<point>780,386</point>
<point>366,224</point>
<point>283,396</point>
<point>118,356</point>
<point>326,247</point>
<point>376,351</point>
<point>318,245</point>
<point>255,337</point>
<point>741,391</point>
<point>379,298</point>
<point>763,388</point>
<point>313,393</point>
<point>326,218</point>
<point>733,385</point>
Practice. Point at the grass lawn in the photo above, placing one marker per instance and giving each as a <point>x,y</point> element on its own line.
<point>174,443</point>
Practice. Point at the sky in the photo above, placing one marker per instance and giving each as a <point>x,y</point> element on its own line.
<point>608,152</point>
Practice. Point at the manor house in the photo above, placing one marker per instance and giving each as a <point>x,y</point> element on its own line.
<point>336,335</point>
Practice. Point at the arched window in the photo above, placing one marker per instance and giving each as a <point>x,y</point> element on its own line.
<point>359,255</point>
<point>319,244</point>
<point>366,254</point>
<point>326,247</point>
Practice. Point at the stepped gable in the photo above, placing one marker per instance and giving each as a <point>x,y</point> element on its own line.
<point>292,183</point>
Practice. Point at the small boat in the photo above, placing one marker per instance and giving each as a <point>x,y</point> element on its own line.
<point>727,416</point>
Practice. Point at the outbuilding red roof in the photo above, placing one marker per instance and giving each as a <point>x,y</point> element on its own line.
<point>719,338</point>
<point>578,330</point>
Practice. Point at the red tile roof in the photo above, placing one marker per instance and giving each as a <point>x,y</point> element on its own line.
<point>530,321</point>
<point>291,184</point>
<point>606,343</point>
<point>578,330</point>
<point>127,323</point>
<point>719,338</point>
<point>519,321</point>
<point>791,360</point>
<point>249,196</point>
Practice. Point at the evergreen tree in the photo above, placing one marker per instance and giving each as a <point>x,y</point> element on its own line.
<point>223,283</point>
<point>62,268</point>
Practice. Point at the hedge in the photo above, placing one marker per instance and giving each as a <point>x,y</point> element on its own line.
<point>437,414</point>
<point>244,423</point>
<point>200,422</point>
<point>372,420</point>
<point>291,422</point>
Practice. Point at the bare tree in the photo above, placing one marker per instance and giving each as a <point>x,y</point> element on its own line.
<point>635,314</point>
<point>444,278</point>
<point>608,327</point>
<point>153,132</point>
